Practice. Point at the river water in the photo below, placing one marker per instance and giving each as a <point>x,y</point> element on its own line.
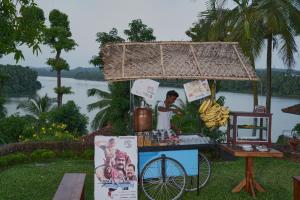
<point>235,101</point>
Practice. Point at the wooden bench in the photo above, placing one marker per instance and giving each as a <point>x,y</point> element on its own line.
<point>71,187</point>
<point>296,187</point>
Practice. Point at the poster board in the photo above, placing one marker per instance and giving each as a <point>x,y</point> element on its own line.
<point>145,88</point>
<point>196,90</point>
<point>115,168</point>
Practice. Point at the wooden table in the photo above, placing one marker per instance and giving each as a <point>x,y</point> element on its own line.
<point>248,183</point>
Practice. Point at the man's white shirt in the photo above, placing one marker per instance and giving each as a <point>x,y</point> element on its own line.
<point>163,118</point>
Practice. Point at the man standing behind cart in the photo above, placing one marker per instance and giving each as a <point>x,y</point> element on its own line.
<point>165,112</point>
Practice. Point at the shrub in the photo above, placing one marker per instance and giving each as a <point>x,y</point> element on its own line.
<point>68,154</point>
<point>88,154</point>
<point>16,158</point>
<point>215,134</point>
<point>3,161</point>
<point>50,132</point>
<point>13,127</point>
<point>282,139</point>
<point>13,159</point>
<point>297,129</point>
<point>48,155</point>
<point>70,115</point>
<point>41,154</point>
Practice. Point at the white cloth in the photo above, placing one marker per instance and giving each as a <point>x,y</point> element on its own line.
<point>163,118</point>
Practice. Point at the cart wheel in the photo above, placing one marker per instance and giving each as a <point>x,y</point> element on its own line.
<point>204,174</point>
<point>163,178</point>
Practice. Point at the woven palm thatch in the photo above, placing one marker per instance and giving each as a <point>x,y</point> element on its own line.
<point>176,60</point>
<point>295,109</point>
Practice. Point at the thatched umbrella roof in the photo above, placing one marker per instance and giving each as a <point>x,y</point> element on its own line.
<point>176,60</point>
<point>295,109</point>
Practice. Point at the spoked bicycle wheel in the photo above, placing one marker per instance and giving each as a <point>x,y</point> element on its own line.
<point>204,174</point>
<point>163,178</point>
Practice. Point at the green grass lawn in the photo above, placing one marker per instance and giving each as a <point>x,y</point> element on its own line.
<point>40,180</point>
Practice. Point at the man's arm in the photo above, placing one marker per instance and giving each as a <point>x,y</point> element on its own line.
<point>168,109</point>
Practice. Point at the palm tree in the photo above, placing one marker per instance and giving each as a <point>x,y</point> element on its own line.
<point>245,28</point>
<point>37,105</point>
<point>102,106</point>
<point>237,24</point>
<point>280,21</point>
<point>251,22</point>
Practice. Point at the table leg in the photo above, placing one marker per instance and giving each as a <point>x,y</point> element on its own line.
<point>248,183</point>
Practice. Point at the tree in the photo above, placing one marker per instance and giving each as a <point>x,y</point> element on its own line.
<point>104,38</point>
<point>211,25</point>
<point>245,28</point>
<point>117,112</point>
<point>58,37</point>
<point>280,24</point>
<point>21,22</point>
<point>250,22</point>
<point>102,106</point>
<point>139,32</point>
<point>37,105</point>
<point>237,24</point>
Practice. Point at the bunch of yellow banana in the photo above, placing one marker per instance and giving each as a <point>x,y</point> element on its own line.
<point>213,114</point>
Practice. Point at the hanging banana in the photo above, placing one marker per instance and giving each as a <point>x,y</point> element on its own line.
<point>212,114</point>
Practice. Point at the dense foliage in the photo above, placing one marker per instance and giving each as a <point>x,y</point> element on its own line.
<point>48,132</point>
<point>119,108</point>
<point>14,127</point>
<point>21,81</point>
<point>3,110</point>
<point>21,23</point>
<point>252,23</point>
<point>82,73</point>
<point>104,38</point>
<point>190,122</point>
<point>69,114</point>
<point>139,32</point>
<point>103,105</point>
<point>284,83</point>
<point>297,129</point>
<point>37,105</point>
<point>118,111</point>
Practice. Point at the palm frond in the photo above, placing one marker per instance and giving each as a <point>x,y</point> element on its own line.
<point>99,93</point>
<point>99,120</point>
<point>98,105</point>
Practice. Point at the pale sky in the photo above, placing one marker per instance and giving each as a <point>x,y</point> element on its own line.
<point>169,19</point>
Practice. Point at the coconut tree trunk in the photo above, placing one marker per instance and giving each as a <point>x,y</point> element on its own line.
<point>58,76</point>
<point>254,86</point>
<point>269,74</point>
<point>59,94</point>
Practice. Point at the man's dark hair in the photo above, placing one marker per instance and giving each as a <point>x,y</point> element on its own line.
<point>172,93</point>
<point>131,165</point>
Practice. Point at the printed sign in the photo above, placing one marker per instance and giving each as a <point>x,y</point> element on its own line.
<point>115,168</point>
<point>145,88</point>
<point>196,90</point>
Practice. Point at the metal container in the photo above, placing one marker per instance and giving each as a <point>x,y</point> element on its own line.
<point>142,119</point>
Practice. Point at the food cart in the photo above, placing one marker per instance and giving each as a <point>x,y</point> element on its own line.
<point>167,169</point>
